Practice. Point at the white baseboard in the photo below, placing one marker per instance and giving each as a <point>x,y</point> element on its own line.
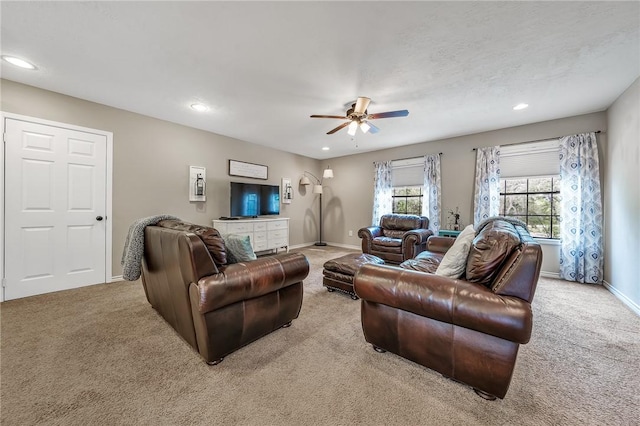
<point>297,246</point>
<point>347,246</point>
<point>549,274</point>
<point>116,278</point>
<point>623,298</point>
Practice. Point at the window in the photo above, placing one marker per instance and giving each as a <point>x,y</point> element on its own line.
<point>535,201</point>
<point>407,200</point>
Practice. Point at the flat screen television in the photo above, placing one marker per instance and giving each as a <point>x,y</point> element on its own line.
<point>252,199</point>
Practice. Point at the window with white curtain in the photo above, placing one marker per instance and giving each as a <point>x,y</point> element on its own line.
<point>407,177</point>
<point>530,159</point>
<point>529,186</point>
<point>407,200</point>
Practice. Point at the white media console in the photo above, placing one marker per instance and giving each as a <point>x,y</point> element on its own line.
<point>265,234</point>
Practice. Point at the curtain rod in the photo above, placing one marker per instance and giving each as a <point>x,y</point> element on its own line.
<point>408,158</point>
<point>537,140</point>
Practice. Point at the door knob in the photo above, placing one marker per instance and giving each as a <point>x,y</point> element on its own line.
<point>99,218</point>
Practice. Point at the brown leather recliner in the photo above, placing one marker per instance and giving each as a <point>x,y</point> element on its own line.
<point>398,238</point>
<point>468,329</point>
<point>218,308</point>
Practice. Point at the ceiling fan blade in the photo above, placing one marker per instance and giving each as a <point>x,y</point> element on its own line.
<point>372,129</point>
<point>401,113</point>
<point>361,105</point>
<point>329,116</point>
<point>342,126</point>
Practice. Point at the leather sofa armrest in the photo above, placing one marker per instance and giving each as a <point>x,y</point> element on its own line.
<point>367,235</point>
<point>417,236</point>
<point>414,242</point>
<point>439,244</point>
<point>370,232</point>
<point>247,280</point>
<point>447,300</point>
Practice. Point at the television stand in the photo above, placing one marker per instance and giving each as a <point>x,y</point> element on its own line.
<point>265,234</point>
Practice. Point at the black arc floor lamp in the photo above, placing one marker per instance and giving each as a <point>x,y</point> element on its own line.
<point>317,189</point>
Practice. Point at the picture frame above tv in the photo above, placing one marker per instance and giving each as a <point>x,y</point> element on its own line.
<point>250,170</point>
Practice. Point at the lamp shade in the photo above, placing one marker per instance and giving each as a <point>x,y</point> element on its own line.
<point>328,173</point>
<point>352,128</point>
<point>305,181</point>
<point>317,189</point>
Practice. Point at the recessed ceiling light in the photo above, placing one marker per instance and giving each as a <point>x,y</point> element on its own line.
<point>199,107</point>
<point>325,148</point>
<point>520,106</point>
<point>19,62</point>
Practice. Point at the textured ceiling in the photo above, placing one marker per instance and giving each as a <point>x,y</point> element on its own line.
<point>264,67</point>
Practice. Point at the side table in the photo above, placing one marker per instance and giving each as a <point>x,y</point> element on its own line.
<point>448,233</point>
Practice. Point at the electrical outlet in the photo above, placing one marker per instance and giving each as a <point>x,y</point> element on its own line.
<point>350,233</point>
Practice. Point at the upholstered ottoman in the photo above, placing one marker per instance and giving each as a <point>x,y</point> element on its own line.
<point>338,273</point>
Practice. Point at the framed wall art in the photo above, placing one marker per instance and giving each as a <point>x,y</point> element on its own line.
<point>250,170</point>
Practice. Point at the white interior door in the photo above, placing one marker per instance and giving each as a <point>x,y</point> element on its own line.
<point>55,208</point>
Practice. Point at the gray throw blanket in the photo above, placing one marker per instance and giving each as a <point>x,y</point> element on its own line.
<point>134,246</point>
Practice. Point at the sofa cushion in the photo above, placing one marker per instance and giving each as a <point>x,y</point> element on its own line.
<point>426,261</point>
<point>209,236</point>
<point>393,234</point>
<point>387,241</point>
<point>493,244</point>
<point>454,262</point>
<point>239,248</point>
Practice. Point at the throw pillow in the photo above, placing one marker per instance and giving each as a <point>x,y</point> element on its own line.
<point>454,262</point>
<point>238,248</point>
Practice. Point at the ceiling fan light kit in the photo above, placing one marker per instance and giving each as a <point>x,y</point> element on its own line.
<point>358,116</point>
<point>353,126</point>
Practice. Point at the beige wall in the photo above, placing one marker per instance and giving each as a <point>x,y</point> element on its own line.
<point>151,159</point>
<point>622,197</point>
<point>352,188</point>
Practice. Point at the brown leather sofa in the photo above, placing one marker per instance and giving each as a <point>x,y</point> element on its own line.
<point>217,307</point>
<point>468,329</point>
<point>398,238</point>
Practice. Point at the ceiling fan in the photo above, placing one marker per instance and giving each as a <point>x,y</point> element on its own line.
<point>358,116</point>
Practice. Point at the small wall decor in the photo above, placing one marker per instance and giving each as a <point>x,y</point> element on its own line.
<point>250,170</point>
<point>197,183</point>
<point>455,224</point>
<point>287,191</point>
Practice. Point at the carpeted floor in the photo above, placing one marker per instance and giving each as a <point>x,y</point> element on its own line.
<point>102,355</point>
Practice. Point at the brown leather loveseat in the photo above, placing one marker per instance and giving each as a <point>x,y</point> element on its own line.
<point>469,328</point>
<point>217,307</point>
<point>398,238</point>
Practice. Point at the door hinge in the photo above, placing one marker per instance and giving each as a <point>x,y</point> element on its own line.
<point>4,137</point>
<point>4,282</point>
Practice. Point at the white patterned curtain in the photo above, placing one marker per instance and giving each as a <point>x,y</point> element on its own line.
<point>486,198</point>
<point>431,190</point>
<point>581,252</point>
<point>382,191</point>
